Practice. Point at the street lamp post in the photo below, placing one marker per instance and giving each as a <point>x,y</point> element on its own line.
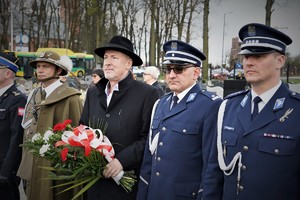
<point>222,62</point>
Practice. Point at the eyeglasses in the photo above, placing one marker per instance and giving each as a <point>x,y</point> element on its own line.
<point>176,69</point>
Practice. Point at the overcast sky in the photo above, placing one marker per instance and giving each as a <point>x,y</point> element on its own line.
<point>286,16</point>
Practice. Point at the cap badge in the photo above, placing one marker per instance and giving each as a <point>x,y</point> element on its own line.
<point>251,31</point>
<point>174,45</point>
<point>286,114</point>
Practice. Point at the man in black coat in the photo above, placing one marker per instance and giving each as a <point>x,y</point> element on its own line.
<point>124,105</point>
<point>12,103</point>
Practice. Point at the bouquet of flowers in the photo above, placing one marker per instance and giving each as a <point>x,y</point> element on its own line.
<point>78,155</point>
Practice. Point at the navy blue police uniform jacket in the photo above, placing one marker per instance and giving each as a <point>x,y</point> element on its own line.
<point>176,168</point>
<point>269,146</point>
<point>12,103</point>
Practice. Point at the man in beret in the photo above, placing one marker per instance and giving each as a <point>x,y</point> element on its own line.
<point>12,103</point>
<point>256,151</point>
<point>123,105</point>
<point>182,129</point>
<point>51,103</point>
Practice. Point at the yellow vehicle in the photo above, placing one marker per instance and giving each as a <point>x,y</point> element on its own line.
<point>83,63</point>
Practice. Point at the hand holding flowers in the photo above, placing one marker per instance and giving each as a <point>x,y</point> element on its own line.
<point>78,155</point>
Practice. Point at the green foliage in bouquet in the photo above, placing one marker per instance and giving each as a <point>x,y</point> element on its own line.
<point>78,156</point>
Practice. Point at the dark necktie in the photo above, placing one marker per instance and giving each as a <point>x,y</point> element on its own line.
<point>174,102</point>
<point>256,100</point>
<point>43,94</point>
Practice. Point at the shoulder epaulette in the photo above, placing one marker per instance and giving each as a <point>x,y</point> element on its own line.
<point>166,95</point>
<point>295,95</point>
<point>236,94</point>
<point>211,95</point>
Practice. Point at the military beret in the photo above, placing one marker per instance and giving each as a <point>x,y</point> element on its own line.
<point>181,53</point>
<point>259,39</point>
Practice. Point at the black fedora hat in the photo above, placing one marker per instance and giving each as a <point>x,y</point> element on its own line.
<point>122,44</point>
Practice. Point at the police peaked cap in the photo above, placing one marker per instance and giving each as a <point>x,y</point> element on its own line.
<point>9,61</point>
<point>259,39</point>
<point>181,53</point>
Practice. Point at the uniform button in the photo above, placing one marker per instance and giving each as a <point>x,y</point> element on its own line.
<point>193,194</point>
<point>184,130</point>
<point>107,115</point>
<point>158,158</point>
<point>241,188</point>
<point>245,148</point>
<point>244,167</point>
<point>161,143</point>
<point>157,173</point>
<point>276,151</point>
<point>163,129</point>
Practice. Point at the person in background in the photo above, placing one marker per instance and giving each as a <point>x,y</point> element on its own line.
<point>12,103</point>
<point>182,128</point>
<point>97,74</point>
<point>256,151</point>
<point>124,105</point>
<point>69,81</point>
<point>150,76</point>
<point>51,103</point>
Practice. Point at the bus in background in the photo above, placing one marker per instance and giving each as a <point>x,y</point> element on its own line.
<point>24,58</point>
<point>83,63</point>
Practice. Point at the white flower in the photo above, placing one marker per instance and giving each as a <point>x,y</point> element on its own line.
<point>47,135</point>
<point>36,137</point>
<point>44,149</point>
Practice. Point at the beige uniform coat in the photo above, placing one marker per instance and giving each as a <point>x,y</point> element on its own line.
<point>63,103</point>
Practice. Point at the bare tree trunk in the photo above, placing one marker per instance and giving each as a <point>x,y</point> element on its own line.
<point>205,41</point>
<point>269,11</point>
<point>4,19</point>
<point>152,42</point>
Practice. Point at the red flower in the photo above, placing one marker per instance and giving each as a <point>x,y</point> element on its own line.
<point>67,121</point>
<point>59,127</point>
<point>64,154</point>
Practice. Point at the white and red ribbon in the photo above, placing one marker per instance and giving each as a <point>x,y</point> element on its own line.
<point>87,137</point>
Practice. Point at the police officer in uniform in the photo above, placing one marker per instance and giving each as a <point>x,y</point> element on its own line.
<point>258,138</point>
<point>12,103</point>
<point>182,129</point>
